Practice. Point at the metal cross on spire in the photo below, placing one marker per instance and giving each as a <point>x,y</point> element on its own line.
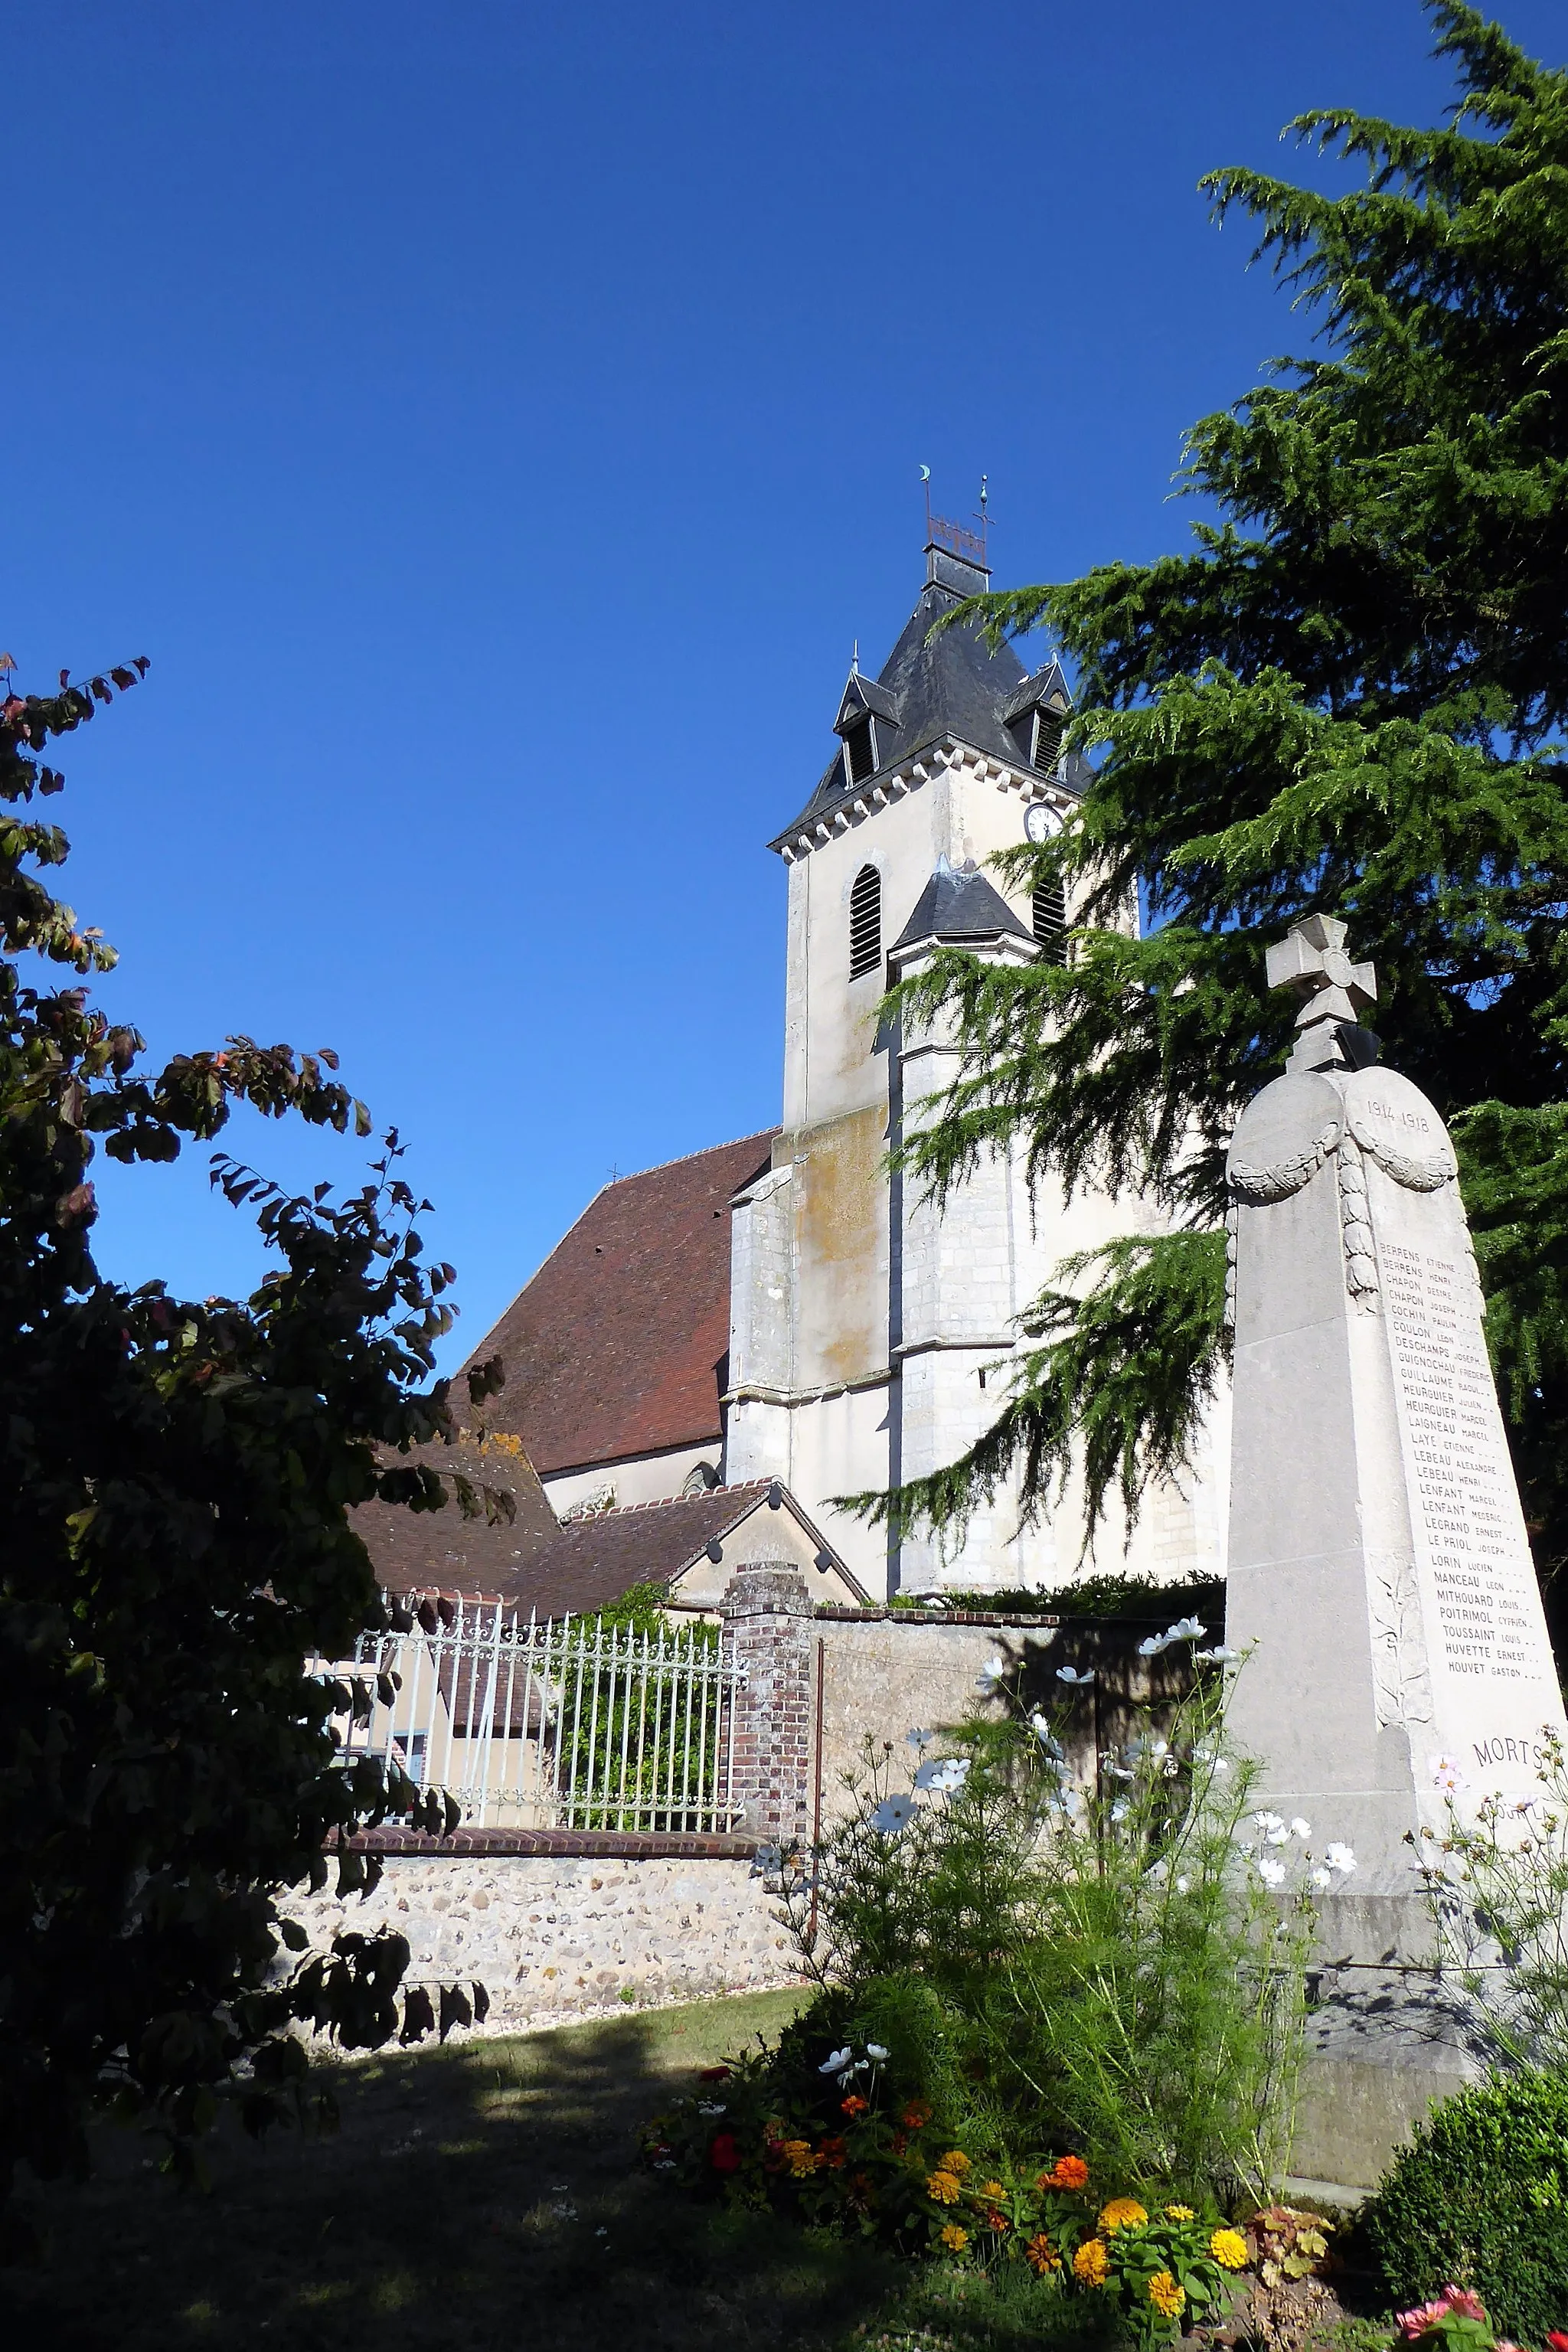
<point>1331,991</point>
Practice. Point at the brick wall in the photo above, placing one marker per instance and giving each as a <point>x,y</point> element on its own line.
<point>767,1620</point>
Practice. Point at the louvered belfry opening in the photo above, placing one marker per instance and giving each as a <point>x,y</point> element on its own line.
<point>1050,924</point>
<point>865,923</point>
<point>859,754</point>
<point>1049,728</point>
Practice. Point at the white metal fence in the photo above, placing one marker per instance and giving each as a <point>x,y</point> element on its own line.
<point>563,1723</point>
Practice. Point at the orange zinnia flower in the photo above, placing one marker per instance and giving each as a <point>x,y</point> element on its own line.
<point>1067,2172</point>
<point>917,2115</point>
<point>853,2105</point>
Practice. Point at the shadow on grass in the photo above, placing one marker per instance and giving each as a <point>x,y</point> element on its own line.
<point>480,2196</point>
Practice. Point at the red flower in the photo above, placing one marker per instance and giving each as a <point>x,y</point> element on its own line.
<point>723,2155</point>
<point>1556,2340</point>
<point>832,2152</point>
<point>856,2105</point>
<point>917,2115</point>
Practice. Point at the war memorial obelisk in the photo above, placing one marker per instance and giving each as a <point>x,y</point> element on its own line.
<point>1379,1568</point>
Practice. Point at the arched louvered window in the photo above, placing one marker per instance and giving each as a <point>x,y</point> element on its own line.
<point>865,923</point>
<point>1051,921</point>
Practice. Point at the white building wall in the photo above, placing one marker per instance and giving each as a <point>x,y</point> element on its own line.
<point>862,1321</point>
<point>640,1478</point>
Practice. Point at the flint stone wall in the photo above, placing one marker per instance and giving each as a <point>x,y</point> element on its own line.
<point>552,1933</point>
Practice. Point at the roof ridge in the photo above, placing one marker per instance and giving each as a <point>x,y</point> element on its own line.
<point>665,1502</point>
<point>632,1174</point>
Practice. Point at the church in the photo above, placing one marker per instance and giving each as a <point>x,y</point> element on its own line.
<point>784,1309</point>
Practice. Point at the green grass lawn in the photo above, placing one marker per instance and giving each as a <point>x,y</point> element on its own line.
<point>484,2195</point>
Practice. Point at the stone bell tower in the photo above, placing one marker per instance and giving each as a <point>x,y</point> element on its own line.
<point>867,1330</point>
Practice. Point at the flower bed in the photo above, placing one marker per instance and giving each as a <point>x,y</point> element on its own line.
<point>851,2152</point>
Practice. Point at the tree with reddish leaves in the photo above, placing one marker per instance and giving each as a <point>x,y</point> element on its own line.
<point>176,1483</point>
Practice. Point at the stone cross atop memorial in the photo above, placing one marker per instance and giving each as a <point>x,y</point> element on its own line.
<point>1379,1567</point>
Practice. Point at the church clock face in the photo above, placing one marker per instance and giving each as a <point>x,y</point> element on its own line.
<point>1041,820</point>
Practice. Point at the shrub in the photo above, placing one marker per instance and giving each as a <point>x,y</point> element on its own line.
<point>1113,1964</point>
<point>1135,1598</point>
<point>1481,2197</point>
<point>1496,1885</point>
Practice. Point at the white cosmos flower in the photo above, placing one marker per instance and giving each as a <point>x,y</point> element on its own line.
<point>1072,1675</point>
<point>875,2050</point>
<point>1271,1873</point>
<point>836,2061</point>
<point>893,1814</point>
<point>1447,1774</point>
<point>1269,1824</point>
<point>944,1773</point>
<point>1118,1811</point>
<point>1219,1656</point>
<point>1299,1827</point>
<point>1040,1725</point>
<point>919,1739</point>
<point>992,1675</point>
<point>1153,1645</point>
<point>1322,1877</point>
<point>1183,1885</point>
<point>1341,1858</point>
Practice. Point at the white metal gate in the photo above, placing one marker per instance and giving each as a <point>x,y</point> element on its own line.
<point>561,1723</point>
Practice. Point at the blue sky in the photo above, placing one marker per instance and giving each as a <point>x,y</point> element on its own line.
<point>497,423</point>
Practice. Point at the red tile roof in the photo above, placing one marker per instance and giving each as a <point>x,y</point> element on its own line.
<point>441,1551</point>
<point>535,1564</point>
<point>617,1347</point>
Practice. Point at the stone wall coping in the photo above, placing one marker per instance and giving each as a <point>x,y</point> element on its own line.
<point>833,1612</point>
<point>589,1845</point>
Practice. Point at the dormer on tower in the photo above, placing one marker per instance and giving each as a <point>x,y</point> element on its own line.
<point>867,721</point>
<point>1036,716</point>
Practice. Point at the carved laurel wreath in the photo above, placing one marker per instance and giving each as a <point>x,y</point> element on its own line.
<point>1426,1171</point>
<point>1283,1177</point>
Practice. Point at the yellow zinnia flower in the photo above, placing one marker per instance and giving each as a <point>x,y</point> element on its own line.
<point>956,2161</point>
<point>944,2185</point>
<point>1178,2212</point>
<point>955,2237</point>
<point>1228,2248</point>
<point>1168,2299</point>
<point>1091,2262</point>
<point>1041,2256</point>
<point>1121,2213</point>
<point>991,2190</point>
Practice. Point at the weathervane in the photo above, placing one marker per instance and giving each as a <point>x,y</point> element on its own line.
<point>941,530</point>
